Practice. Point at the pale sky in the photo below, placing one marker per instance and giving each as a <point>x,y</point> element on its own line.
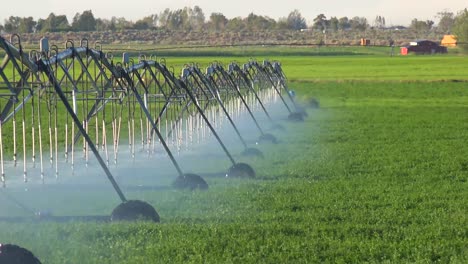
<point>396,12</point>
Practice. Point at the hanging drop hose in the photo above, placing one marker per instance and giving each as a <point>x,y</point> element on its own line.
<point>56,137</point>
<point>66,139</point>
<point>251,87</point>
<point>200,110</point>
<point>46,68</point>
<point>14,139</point>
<point>2,168</point>
<point>23,121</point>
<point>153,124</point>
<point>216,95</point>
<point>33,132</point>
<point>41,157</point>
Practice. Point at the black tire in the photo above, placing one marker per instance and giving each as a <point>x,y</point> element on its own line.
<point>296,117</point>
<point>278,127</point>
<point>241,170</point>
<point>268,138</point>
<point>314,103</point>
<point>190,181</point>
<point>252,152</point>
<point>301,110</point>
<point>134,210</point>
<point>13,254</point>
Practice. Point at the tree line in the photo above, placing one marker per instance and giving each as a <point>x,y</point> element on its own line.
<point>180,19</point>
<point>194,19</point>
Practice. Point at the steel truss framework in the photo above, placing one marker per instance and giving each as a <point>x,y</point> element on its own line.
<point>142,103</point>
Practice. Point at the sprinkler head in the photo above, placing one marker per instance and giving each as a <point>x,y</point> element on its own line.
<point>134,210</point>
<point>267,138</point>
<point>240,170</point>
<point>190,181</point>
<point>252,152</point>
<point>13,254</point>
<point>43,214</point>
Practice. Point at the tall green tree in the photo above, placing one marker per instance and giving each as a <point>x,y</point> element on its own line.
<point>359,23</point>
<point>147,22</point>
<point>178,19</point>
<point>27,25</point>
<point>217,21</point>
<point>84,21</point>
<point>53,23</point>
<point>174,20</point>
<point>343,23</point>
<point>236,24</point>
<point>460,29</point>
<point>334,24</point>
<point>163,17</point>
<point>420,26</point>
<point>446,21</point>
<point>120,23</point>
<point>320,22</point>
<point>379,22</point>
<point>196,18</point>
<point>103,24</point>
<point>16,24</point>
<point>255,22</point>
<point>282,23</point>
<point>12,24</point>
<point>296,21</point>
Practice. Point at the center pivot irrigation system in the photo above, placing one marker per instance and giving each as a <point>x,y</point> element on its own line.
<point>57,105</point>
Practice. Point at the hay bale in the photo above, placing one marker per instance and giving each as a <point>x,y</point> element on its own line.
<point>190,181</point>
<point>134,210</point>
<point>13,254</point>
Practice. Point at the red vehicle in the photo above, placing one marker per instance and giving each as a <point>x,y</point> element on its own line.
<point>423,47</point>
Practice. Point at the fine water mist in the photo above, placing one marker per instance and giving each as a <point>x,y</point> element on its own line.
<point>85,190</point>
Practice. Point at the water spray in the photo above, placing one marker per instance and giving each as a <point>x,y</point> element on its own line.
<point>106,105</point>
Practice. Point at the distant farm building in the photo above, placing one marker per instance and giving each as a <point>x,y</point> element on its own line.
<point>365,42</point>
<point>449,41</point>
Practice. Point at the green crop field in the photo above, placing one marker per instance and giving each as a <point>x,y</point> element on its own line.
<point>377,174</point>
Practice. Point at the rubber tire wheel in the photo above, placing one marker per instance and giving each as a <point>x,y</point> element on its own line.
<point>277,127</point>
<point>314,103</point>
<point>268,137</point>
<point>296,117</point>
<point>134,210</point>
<point>241,170</point>
<point>13,254</point>
<point>252,152</point>
<point>190,181</point>
<point>301,110</point>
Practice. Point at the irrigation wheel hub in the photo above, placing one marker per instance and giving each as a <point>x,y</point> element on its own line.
<point>314,103</point>
<point>252,152</point>
<point>134,210</point>
<point>190,181</point>
<point>296,117</point>
<point>267,138</point>
<point>241,170</point>
<point>278,127</point>
<point>13,254</point>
